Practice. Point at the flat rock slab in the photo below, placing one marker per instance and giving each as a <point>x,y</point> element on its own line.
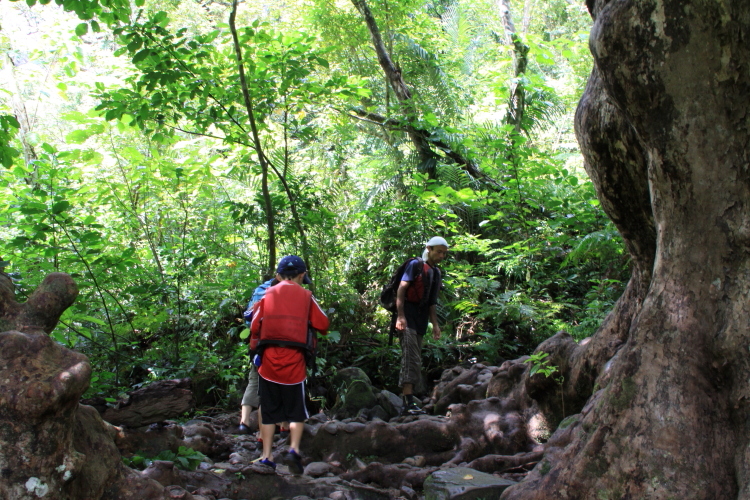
<point>462,483</point>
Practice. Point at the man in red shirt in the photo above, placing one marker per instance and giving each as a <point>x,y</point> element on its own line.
<point>279,326</point>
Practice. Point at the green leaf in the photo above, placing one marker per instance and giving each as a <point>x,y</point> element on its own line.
<point>135,44</point>
<point>60,207</point>
<point>91,319</point>
<point>82,29</point>
<point>7,154</point>
<point>78,136</point>
<point>140,56</point>
<point>431,119</point>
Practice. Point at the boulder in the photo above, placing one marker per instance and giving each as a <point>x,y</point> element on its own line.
<point>461,385</point>
<point>354,393</point>
<point>463,483</point>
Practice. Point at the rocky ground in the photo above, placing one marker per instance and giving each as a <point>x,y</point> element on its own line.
<point>480,446</point>
<point>481,432</point>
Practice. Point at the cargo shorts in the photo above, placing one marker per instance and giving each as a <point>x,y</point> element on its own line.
<point>251,397</point>
<point>411,357</point>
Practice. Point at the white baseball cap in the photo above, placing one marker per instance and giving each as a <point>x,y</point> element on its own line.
<point>436,240</point>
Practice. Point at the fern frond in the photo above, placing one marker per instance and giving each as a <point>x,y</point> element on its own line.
<point>596,245</point>
<point>415,49</point>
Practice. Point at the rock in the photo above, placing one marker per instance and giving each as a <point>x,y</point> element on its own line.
<point>460,385</point>
<point>164,472</point>
<point>462,483</point>
<point>408,493</point>
<point>346,376</point>
<point>318,469</point>
<point>391,403</point>
<point>354,391</point>
<point>199,436</point>
<point>377,411</point>
<point>417,461</point>
<point>150,440</point>
<point>161,400</point>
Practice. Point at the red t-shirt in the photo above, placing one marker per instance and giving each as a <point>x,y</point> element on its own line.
<point>286,365</point>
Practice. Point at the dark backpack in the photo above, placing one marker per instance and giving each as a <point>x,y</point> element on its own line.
<point>388,295</point>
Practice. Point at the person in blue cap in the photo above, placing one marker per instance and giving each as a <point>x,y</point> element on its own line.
<point>279,329</point>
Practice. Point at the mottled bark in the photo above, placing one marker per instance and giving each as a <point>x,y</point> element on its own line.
<point>667,420</point>
<point>50,446</point>
<point>616,162</point>
<point>41,312</point>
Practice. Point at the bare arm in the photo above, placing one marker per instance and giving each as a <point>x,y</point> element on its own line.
<point>400,299</point>
<point>434,321</point>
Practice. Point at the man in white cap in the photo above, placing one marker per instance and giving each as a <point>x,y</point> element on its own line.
<point>416,301</point>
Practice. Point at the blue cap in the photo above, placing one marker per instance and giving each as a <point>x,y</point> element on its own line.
<point>291,264</point>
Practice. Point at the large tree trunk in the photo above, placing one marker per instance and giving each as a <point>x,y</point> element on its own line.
<point>669,417</point>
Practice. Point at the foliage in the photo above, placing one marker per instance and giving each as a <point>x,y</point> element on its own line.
<point>540,364</point>
<point>145,183</point>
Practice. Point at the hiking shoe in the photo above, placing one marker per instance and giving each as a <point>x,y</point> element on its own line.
<point>283,432</point>
<point>243,429</point>
<point>411,407</point>
<point>267,462</point>
<point>293,460</point>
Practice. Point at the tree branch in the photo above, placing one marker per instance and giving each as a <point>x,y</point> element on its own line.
<point>419,137</point>
<point>425,135</point>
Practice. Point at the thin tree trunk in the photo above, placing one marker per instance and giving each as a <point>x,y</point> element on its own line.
<point>270,223</point>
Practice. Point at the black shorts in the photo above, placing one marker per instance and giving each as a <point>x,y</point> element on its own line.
<point>282,403</point>
<point>417,316</point>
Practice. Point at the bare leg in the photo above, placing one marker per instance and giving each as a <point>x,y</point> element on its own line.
<point>245,416</point>
<point>295,435</point>
<point>407,389</point>
<point>266,434</point>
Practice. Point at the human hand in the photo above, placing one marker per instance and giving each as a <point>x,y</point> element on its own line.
<point>435,332</point>
<point>401,323</point>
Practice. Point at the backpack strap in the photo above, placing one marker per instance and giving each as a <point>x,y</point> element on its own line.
<point>282,343</point>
